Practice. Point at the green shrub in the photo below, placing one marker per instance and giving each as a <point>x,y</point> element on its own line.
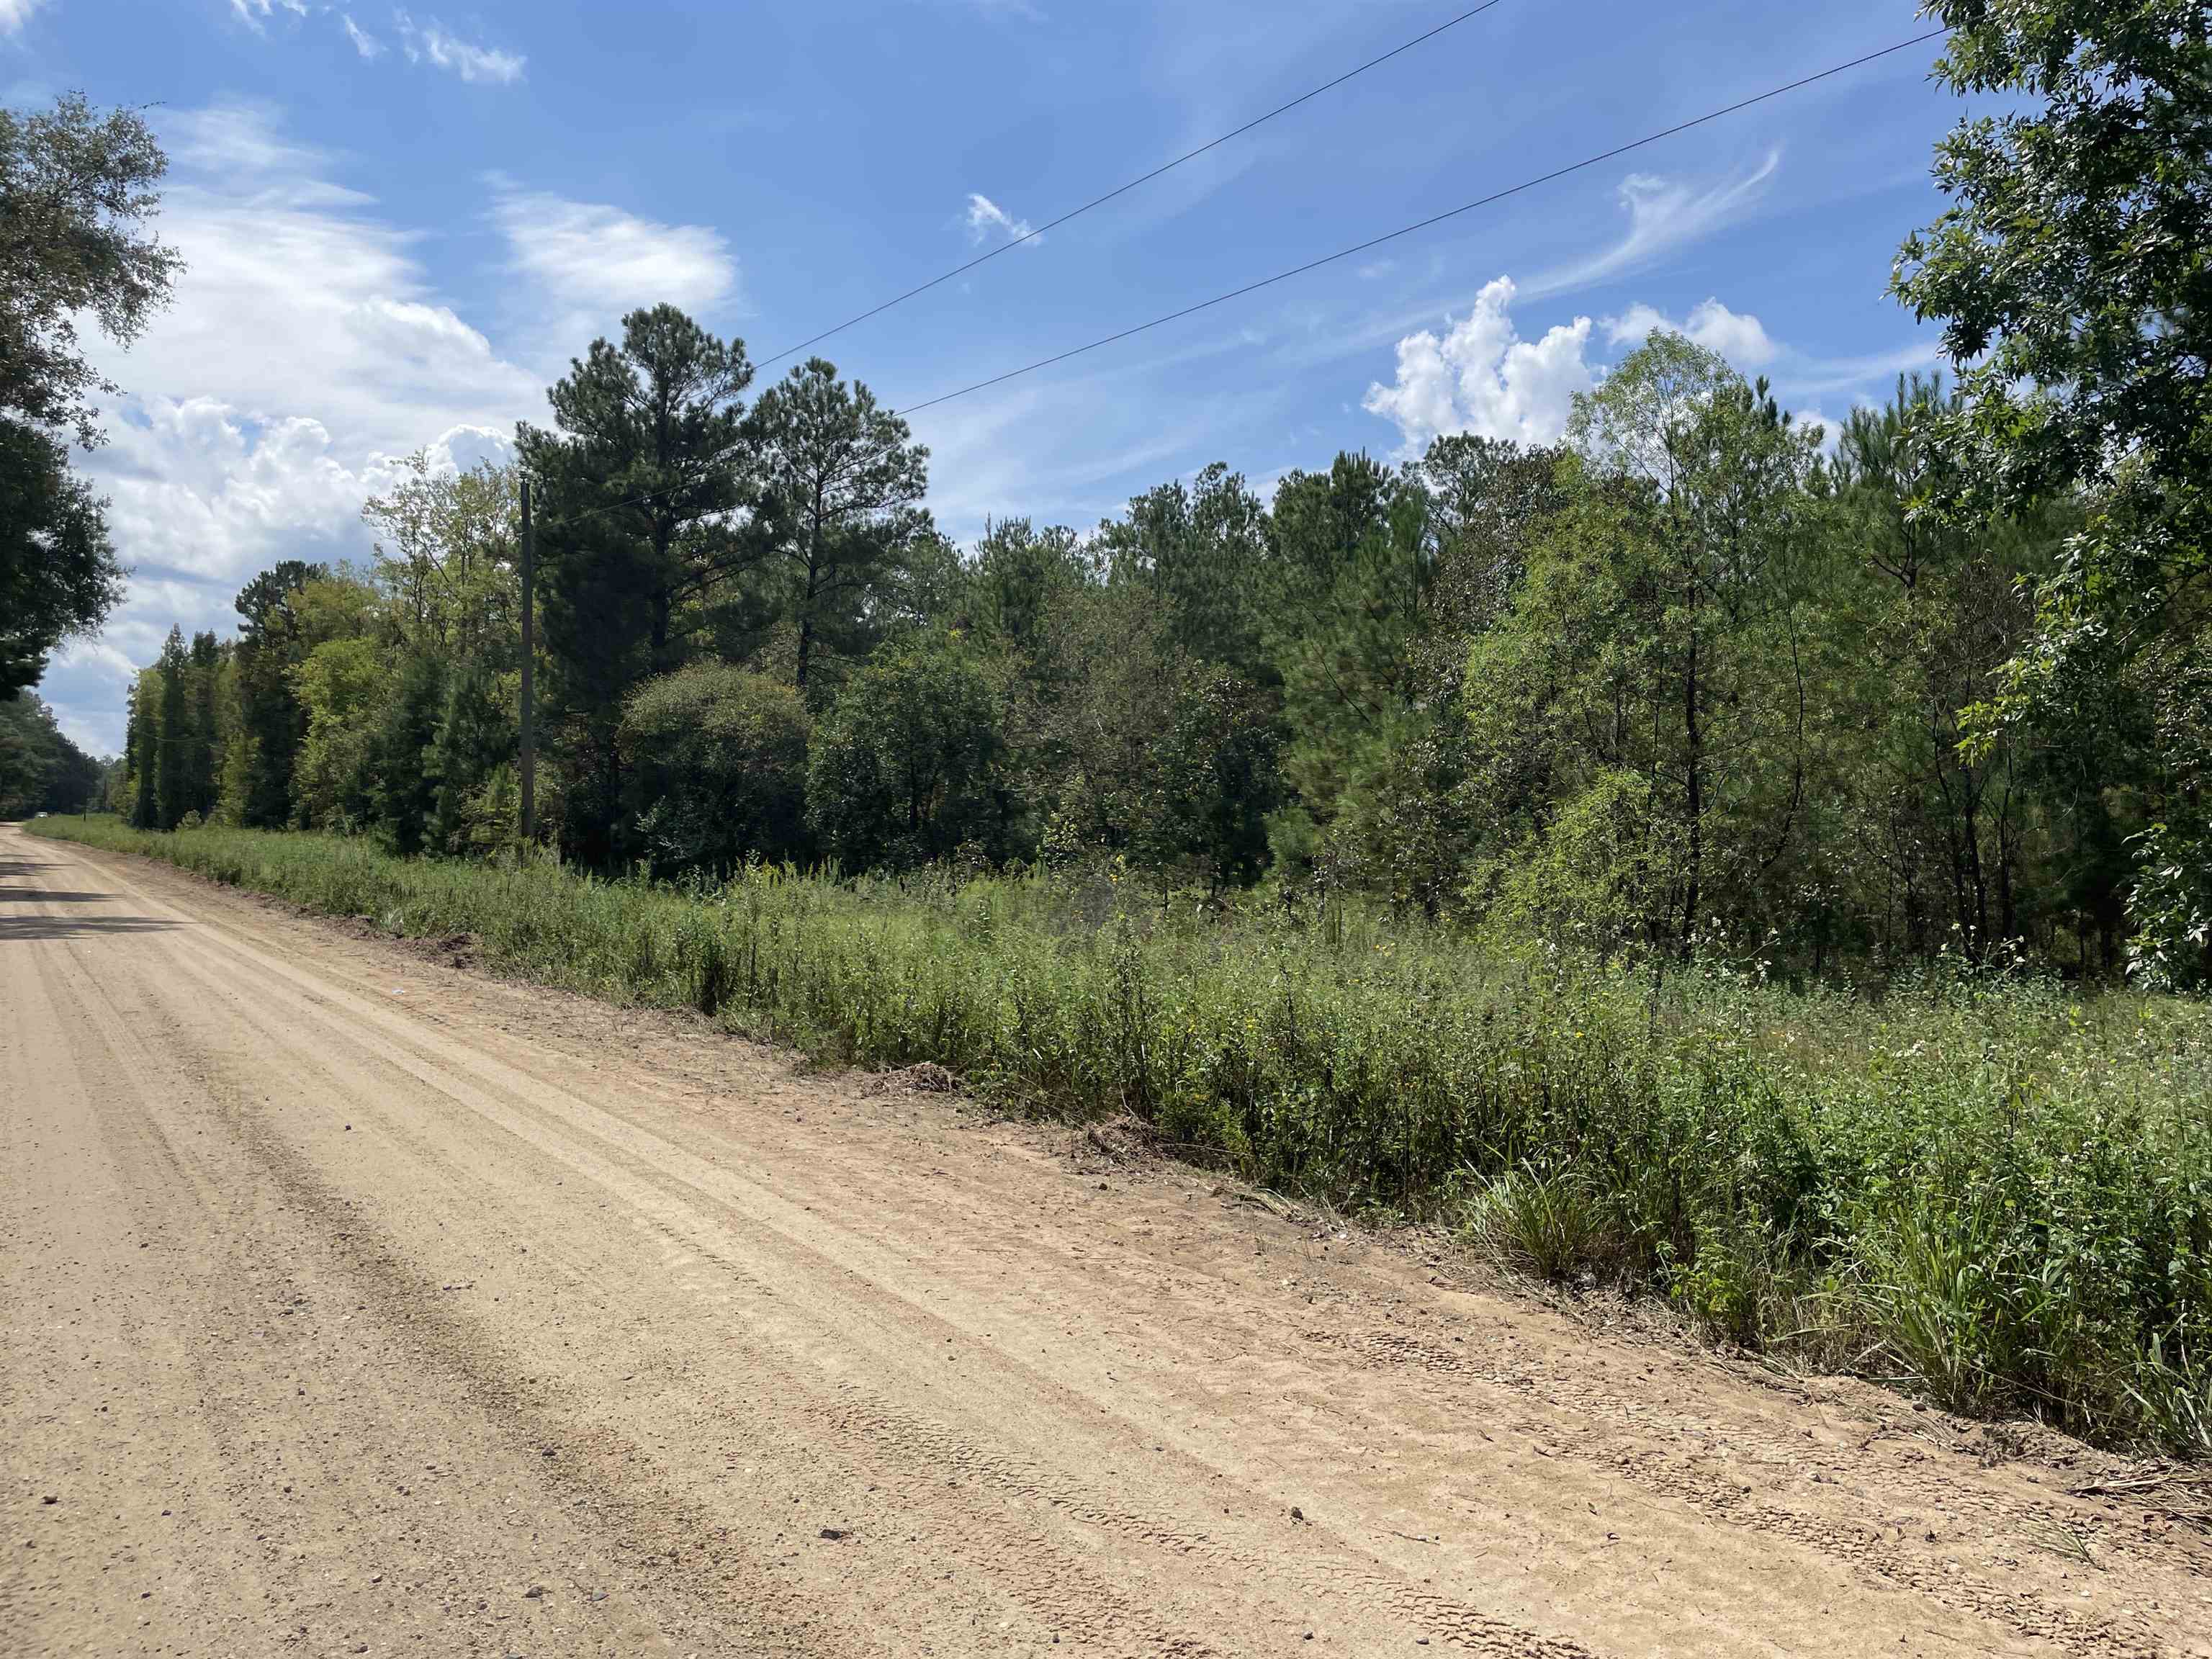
<point>910,762</point>
<point>717,760</point>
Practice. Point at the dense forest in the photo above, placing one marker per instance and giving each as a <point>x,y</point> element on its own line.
<point>1686,680</point>
<point>40,769</point>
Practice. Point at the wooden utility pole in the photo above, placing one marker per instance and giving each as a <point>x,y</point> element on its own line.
<point>529,671</point>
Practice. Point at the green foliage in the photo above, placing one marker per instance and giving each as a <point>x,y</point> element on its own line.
<point>1549,1227</point>
<point>1354,560</point>
<point>2069,273</point>
<point>341,687</point>
<point>447,560</point>
<point>40,769</point>
<point>1218,780</point>
<point>1021,578</point>
<point>716,761</point>
<point>1087,706</point>
<point>58,576</point>
<point>910,762</point>
<point>76,192</point>
<point>1656,651</point>
<point>841,517</point>
<point>1595,879</point>
<point>1203,551</point>
<point>476,739</point>
<point>172,780</point>
<point>1928,1280</point>
<point>273,640</point>
<point>638,483</point>
<point>401,761</point>
<point>1320,521</point>
<point>1983,1187</point>
<point>143,738</point>
<point>1957,836</point>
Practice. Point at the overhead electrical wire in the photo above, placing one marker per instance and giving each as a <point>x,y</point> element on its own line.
<point>1372,242</point>
<point>1495,196</point>
<point>1144,178</point>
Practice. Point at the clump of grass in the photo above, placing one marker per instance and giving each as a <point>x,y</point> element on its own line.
<point>1996,1191</point>
<point>1928,1281</point>
<point>1547,1224</point>
<point>2171,1390</point>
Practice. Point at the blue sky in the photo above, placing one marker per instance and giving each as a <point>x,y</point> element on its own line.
<point>401,224</point>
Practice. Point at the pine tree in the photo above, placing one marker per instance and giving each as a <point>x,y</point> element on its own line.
<point>173,774</point>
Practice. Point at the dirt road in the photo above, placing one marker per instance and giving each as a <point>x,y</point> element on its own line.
<point>354,1303</point>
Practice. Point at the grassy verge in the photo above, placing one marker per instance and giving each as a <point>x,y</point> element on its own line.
<point>1997,1193</point>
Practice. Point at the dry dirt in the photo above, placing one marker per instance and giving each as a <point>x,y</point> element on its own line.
<point>354,1303</point>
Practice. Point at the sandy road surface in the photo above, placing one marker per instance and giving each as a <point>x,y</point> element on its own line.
<point>350,1303</point>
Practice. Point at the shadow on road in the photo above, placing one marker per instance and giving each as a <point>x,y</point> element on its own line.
<point>20,867</point>
<point>49,895</point>
<point>15,929</point>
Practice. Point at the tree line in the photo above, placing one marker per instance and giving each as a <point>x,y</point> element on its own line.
<point>41,770</point>
<point>1685,679</point>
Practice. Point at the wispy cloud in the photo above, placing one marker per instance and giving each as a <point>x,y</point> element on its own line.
<point>986,219</point>
<point>592,261</point>
<point>13,13</point>
<point>432,43</point>
<point>1663,215</point>
<point>1816,377</point>
<point>363,42</point>
<point>1006,454</point>
<point>254,13</point>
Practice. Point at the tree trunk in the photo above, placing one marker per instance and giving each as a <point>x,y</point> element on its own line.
<point>813,579</point>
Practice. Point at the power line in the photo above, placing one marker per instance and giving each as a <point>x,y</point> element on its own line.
<point>1434,219</point>
<point>1123,189</point>
<point>1494,197</point>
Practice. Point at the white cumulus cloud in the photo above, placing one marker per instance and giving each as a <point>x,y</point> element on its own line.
<point>239,445</point>
<point>1737,335</point>
<point>1482,377</point>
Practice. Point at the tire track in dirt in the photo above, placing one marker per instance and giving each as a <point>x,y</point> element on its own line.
<point>1860,1545</point>
<point>863,1426</point>
<point>277,1219</point>
<point>834,1375</point>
